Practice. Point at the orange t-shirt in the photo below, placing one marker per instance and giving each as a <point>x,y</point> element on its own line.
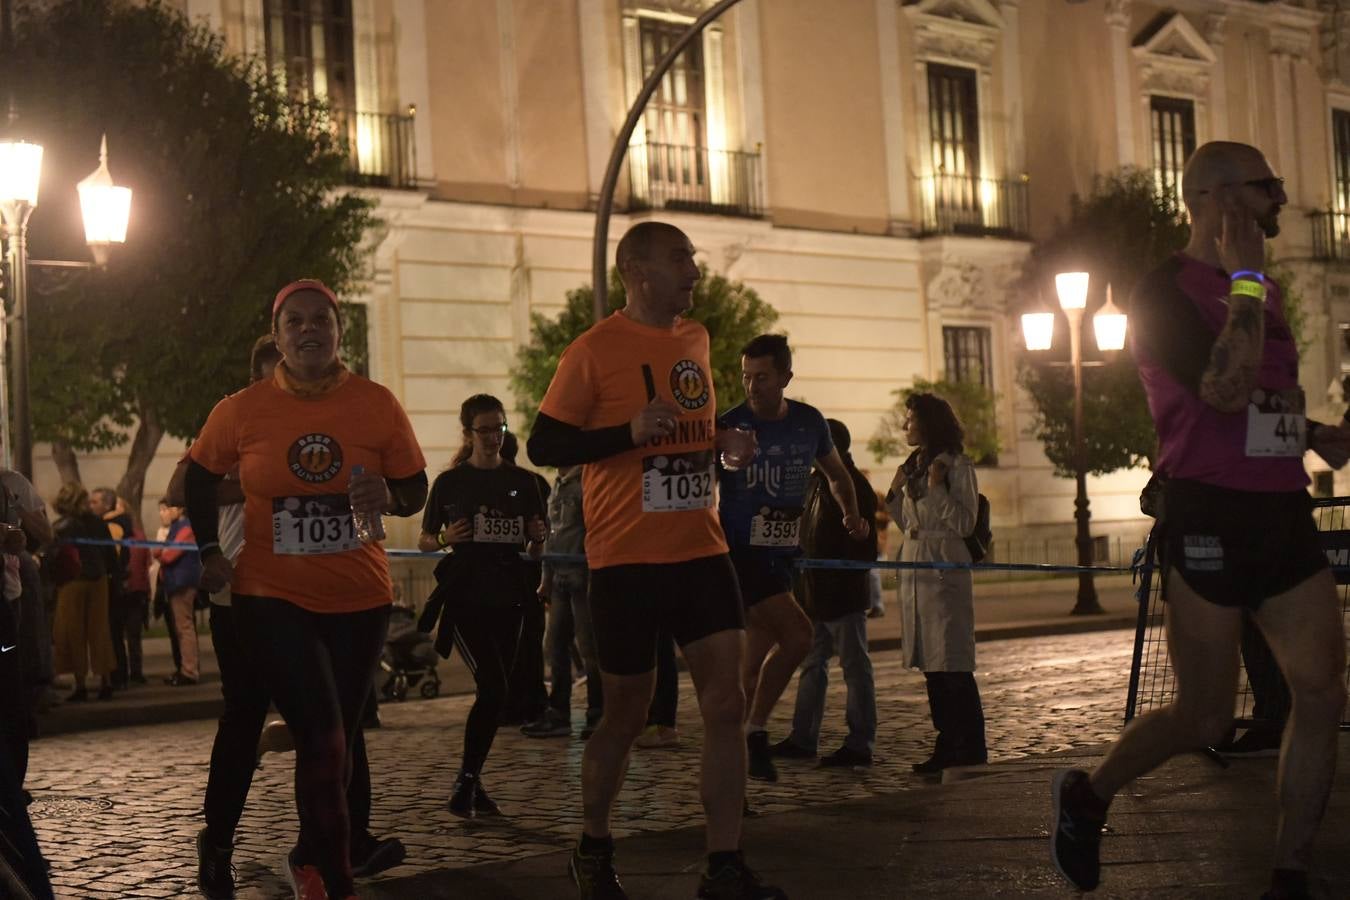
<point>655,503</point>
<point>295,458</point>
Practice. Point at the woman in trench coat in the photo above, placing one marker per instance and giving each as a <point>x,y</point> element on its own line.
<point>933,500</point>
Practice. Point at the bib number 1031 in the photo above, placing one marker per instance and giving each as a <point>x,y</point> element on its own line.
<point>312,525</point>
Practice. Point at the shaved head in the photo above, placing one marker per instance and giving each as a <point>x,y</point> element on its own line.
<point>636,244</point>
<point>1221,163</point>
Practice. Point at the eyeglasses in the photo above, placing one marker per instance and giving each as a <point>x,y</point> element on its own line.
<point>490,429</point>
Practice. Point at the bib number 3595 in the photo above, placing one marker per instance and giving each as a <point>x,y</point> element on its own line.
<point>677,481</point>
<point>1276,424</point>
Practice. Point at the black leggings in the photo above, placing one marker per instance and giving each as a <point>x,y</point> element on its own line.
<point>318,669</point>
<point>234,753</point>
<point>958,716</point>
<point>487,638</point>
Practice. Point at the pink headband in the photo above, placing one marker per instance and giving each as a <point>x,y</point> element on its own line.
<point>304,284</point>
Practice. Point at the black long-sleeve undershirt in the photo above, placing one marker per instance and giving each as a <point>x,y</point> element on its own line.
<point>557,444</point>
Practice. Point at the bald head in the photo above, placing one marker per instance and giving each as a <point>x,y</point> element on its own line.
<point>1221,163</point>
<point>638,242</point>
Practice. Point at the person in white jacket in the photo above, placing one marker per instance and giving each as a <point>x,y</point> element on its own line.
<point>933,499</point>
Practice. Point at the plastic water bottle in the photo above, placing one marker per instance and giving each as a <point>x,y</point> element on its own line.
<point>733,463</point>
<point>369,529</point>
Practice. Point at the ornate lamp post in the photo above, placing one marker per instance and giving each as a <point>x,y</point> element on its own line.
<point>1109,326</point>
<point>105,208</point>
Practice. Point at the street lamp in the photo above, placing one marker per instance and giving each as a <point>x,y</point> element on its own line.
<point>105,208</point>
<point>1109,327</point>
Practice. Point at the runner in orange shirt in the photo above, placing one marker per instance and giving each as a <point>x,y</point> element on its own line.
<point>311,601</point>
<point>633,400</point>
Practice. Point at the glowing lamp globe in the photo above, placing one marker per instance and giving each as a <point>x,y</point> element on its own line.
<point>20,172</point>
<point>1038,330</point>
<point>1072,288</point>
<point>1109,325</point>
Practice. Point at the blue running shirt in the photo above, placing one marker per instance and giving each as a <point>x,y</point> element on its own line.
<point>761,505</point>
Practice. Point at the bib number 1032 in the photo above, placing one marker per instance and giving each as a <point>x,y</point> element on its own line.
<point>676,482</point>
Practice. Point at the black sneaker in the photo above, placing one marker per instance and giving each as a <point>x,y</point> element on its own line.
<point>551,724</point>
<point>594,875</point>
<point>736,881</point>
<point>461,798</point>
<point>483,805</point>
<point>1255,742</point>
<point>787,748</point>
<point>371,855</point>
<point>761,765</point>
<point>215,874</point>
<point>846,758</point>
<point>1076,832</point>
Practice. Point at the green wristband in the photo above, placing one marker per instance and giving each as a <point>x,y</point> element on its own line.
<point>1244,288</point>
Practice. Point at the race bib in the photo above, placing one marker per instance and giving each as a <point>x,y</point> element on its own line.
<point>312,524</point>
<point>1275,423</point>
<point>488,529</point>
<point>677,481</point>
<point>775,528</point>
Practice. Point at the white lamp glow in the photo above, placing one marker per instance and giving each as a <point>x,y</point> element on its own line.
<point>1109,324</point>
<point>106,208</point>
<point>1072,288</point>
<point>20,171</point>
<point>1038,329</point>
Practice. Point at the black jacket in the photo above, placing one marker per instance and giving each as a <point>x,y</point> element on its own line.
<point>828,594</point>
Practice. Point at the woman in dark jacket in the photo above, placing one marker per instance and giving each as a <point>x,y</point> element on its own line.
<point>837,602</point>
<point>484,511</point>
<point>80,632</point>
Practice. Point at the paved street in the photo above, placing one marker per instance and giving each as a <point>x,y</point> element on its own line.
<point>117,810</point>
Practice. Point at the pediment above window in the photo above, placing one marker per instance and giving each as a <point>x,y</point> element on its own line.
<point>690,8</point>
<point>960,30</point>
<point>1173,57</point>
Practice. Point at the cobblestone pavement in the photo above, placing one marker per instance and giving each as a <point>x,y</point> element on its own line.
<point>117,811</point>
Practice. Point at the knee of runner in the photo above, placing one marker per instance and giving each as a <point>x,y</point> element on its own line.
<point>1203,729</point>
<point>1325,693</point>
<point>322,749</point>
<point>722,705</point>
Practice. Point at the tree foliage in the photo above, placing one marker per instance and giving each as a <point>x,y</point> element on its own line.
<point>1118,233</point>
<point>237,190</point>
<point>732,313</point>
<point>973,403</point>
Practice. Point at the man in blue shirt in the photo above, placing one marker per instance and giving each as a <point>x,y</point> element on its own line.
<point>761,509</point>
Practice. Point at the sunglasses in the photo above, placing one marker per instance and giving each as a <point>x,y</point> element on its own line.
<point>490,429</point>
<point>1266,184</point>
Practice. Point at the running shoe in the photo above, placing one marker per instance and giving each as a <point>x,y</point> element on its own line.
<point>1076,832</point>
<point>461,798</point>
<point>736,881</point>
<point>1255,742</point>
<point>594,875</point>
<point>761,766</point>
<point>551,724</point>
<point>275,738</point>
<point>658,737</point>
<point>787,748</point>
<point>483,805</point>
<point>215,874</point>
<point>846,758</point>
<point>305,881</point>
<point>371,855</point>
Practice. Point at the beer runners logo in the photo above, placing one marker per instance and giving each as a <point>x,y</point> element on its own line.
<point>689,385</point>
<point>315,458</point>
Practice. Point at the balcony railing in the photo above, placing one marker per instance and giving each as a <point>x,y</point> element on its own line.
<point>1330,235</point>
<point>695,179</point>
<point>967,204</point>
<point>381,147</point>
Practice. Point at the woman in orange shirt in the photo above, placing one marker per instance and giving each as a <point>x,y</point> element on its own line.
<point>318,448</point>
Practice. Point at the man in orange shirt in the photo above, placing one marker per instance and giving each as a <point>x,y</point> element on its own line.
<point>633,400</point>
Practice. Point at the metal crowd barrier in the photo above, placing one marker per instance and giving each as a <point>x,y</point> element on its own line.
<point>1152,683</point>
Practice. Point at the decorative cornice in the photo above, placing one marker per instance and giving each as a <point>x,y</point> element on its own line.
<point>964,30</point>
<point>1291,42</point>
<point>1118,13</point>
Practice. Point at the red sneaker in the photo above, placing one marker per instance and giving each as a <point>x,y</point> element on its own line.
<point>305,881</point>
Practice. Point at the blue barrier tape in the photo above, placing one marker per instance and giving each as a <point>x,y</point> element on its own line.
<point>835,564</point>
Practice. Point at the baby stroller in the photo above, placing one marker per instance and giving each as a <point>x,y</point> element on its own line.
<point>409,658</point>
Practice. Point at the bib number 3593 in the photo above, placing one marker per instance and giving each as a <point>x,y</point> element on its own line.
<point>677,481</point>
<point>312,524</point>
<point>1276,424</point>
<point>774,531</point>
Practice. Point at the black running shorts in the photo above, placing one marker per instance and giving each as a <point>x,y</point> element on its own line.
<point>631,605</point>
<point>762,575</point>
<point>1236,548</point>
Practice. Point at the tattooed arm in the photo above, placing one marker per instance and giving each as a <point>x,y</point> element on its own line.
<point>1235,359</point>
